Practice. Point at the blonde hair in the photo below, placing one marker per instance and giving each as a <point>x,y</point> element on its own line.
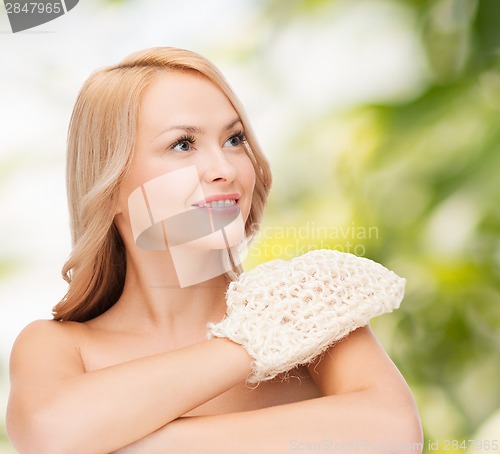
<point>101,140</point>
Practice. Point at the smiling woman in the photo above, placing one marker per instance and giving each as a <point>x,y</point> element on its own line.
<point>110,101</point>
<point>197,189</point>
<point>166,182</point>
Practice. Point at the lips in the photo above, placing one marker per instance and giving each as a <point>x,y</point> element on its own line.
<point>218,201</point>
<point>220,204</point>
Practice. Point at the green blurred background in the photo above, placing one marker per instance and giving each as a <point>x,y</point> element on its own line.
<point>401,169</point>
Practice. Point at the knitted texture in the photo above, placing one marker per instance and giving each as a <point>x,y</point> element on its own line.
<point>287,313</point>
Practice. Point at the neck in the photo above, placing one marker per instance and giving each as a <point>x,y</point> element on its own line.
<point>163,292</point>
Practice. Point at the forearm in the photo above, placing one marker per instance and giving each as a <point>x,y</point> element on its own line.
<point>362,421</point>
<point>103,410</point>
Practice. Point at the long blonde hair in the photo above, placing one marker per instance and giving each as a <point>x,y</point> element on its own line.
<point>101,140</point>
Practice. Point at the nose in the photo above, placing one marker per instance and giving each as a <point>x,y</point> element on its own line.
<point>216,165</point>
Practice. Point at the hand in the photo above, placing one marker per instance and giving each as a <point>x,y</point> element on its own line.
<point>287,313</point>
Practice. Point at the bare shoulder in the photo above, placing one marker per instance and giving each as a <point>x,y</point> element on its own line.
<point>356,362</point>
<point>44,344</point>
<point>46,327</point>
<point>44,332</point>
<point>45,354</point>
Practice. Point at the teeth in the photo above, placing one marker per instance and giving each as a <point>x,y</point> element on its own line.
<point>220,204</point>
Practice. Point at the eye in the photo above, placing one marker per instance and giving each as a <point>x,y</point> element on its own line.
<point>235,140</point>
<point>184,144</point>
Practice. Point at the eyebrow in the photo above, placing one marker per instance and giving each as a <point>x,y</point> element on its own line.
<point>198,130</point>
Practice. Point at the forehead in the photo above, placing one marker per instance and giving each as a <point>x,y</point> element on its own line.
<point>175,97</point>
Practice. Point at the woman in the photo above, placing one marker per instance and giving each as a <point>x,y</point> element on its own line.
<point>165,182</point>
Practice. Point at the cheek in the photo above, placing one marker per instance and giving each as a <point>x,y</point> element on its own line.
<point>138,174</point>
<point>144,169</point>
<point>162,205</point>
<point>246,174</point>
<point>247,178</point>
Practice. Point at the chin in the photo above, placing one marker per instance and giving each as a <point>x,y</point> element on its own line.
<point>234,234</point>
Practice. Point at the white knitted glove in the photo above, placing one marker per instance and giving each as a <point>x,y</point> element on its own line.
<point>287,313</point>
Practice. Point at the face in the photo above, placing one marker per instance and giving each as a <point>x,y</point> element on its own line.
<point>191,180</point>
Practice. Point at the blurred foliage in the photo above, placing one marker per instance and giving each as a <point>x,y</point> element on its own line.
<point>423,175</point>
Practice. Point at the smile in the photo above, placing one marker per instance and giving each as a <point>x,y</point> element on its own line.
<point>218,201</point>
<point>217,204</point>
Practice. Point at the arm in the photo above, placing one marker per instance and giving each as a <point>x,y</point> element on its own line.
<point>367,407</point>
<point>55,407</point>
